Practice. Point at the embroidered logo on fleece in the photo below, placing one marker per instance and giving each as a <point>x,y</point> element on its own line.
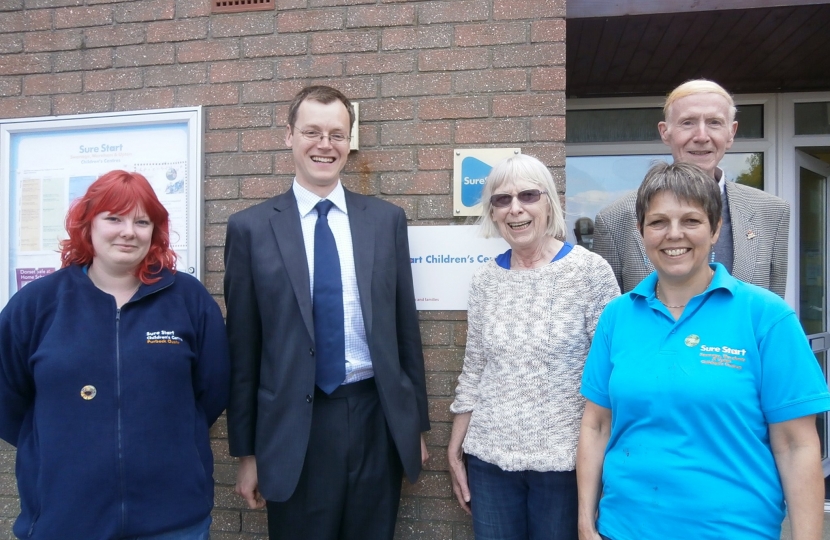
<point>168,337</point>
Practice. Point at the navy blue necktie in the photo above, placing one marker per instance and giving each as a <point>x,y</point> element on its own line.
<point>329,333</point>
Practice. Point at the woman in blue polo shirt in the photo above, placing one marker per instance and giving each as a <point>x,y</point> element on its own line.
<point>702,392</point>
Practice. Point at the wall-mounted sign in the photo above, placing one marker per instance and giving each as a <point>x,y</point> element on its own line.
<point>47,163</point>
<point>444,259</point>
<point>470,168</point>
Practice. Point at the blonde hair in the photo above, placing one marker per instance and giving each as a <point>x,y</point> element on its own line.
<point>699,86</point>
<point>510,170</point>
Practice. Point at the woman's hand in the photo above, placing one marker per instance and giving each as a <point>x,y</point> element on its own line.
<point>455,457</point>
<point>588,532</point>
<point>590,456</point>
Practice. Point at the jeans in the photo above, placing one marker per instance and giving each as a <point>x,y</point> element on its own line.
<point>521,505</point>
<point>200,531</point>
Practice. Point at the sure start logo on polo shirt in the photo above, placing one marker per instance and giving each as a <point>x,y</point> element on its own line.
<point>166,337</point>
<point>730,357</point>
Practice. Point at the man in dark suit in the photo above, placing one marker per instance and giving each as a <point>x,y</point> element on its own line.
<point>328,395</point>
<point>699,128</point>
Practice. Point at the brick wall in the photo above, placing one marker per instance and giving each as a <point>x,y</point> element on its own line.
<point>430,75</point>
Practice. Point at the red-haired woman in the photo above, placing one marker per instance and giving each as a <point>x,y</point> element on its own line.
<point>112,370</point>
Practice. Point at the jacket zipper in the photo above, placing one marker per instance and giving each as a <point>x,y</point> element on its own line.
<point>121,478</point>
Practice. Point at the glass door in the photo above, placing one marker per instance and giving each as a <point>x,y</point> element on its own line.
<point>813,174</point>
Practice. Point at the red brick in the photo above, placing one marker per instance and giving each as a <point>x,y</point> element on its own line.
<point>207,51</point>
<point>291,4</point>
<point>145,55</point>
<point>363,183</point>
<point>538,54</point>
<point>241,70</point>
<point>21,107</point>
<point>426,84</point>
<point>384,16</point>
<point>442,315</point>
<point>263,188</point>
<point>10,86</point>
<point>256,522</point>
<point>453,60</point>
<point>88,102</point>
<point>152,98</point>
<point>355,88</point>
<point>77,17</point>
<point>369,135</point>
<point>84,60</point>
<point>441,383</point>
<point>528,9</point>
<point>262,140</point>
<point>22,64</point>
<point>145,11</point>
<point>307,20</point>
<point>416,38</point>
<point>387,109</point>
<point>25,21</point>
<point>192,8</point>
<point>344,42</point>
<point>290,45</point>
<point>551,128</point>
<point>490,80</point>
<point>332,3</point>
<point>58,40</point>
<point>310,66</point>
<point>420,183</point>
<point>209,94</point>
<point>221,141</point>
<point>434,158</point>
<point>270,91</point>
<point>460,334</point>
<point>477,35</point>
<point>51,4</point>
<point>502,130</point>
<point>551,154</point>
<point>381,160</point>
<point>377,63</point>
<point>219,188</point>
<point>434,332</point>
<point>463,11</point>
<point>464,107</point>
<point>547,104</point>
<point>63,83</point>
<point>283,161</point>
<point>434,207</point>
<point>238,164</point>
<point>113,36</point>
<point>406,133</point>
<point>180,30</point>
<point>214,235</point>
<point>242,24</point>
<point>547,78</point>
<point>239,117</point>
<point>547,30</point>
<point>175,75</point>
<point>11,44</point>
<point>121,79</point>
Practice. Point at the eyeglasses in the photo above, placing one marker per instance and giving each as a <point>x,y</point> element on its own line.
<point>528,196</point>
<point>317,136</point>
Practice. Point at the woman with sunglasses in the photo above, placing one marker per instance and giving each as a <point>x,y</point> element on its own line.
<point>702,392</point>
<point>532,315</point>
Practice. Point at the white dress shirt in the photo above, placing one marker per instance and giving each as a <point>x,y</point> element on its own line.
<point>358,360</point>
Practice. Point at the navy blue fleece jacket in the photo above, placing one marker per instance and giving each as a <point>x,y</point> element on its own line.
<point>110,408</point>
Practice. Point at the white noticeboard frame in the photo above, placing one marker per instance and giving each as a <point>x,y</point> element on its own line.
<point>444,259</point>
<point>47,163</point>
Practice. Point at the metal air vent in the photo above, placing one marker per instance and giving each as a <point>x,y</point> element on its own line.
<point>238,6</point>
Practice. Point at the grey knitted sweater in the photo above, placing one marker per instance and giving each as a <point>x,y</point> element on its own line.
<point>528,334</point>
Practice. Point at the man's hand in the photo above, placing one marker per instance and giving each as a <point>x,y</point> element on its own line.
<point>424,452</point>
<point>246,483</point>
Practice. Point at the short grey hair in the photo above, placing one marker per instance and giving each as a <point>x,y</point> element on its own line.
<point>510,170</point>
<point>687,182</point>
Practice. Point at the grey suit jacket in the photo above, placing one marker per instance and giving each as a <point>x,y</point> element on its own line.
<point>760,225</point>
<point>271,334</point>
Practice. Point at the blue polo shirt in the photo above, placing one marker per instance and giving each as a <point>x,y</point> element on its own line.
<point>691,402</point>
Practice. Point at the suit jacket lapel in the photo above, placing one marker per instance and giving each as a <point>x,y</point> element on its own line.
<point>285,222</point>
<point>744,235</point>
<point>363,243</point>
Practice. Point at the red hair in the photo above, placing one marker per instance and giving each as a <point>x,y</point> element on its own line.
<point>119,192</point>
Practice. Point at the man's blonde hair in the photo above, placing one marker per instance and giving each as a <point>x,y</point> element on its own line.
<point>699,86</point>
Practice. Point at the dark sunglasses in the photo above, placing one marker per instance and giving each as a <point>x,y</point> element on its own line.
<point>528,196</point>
